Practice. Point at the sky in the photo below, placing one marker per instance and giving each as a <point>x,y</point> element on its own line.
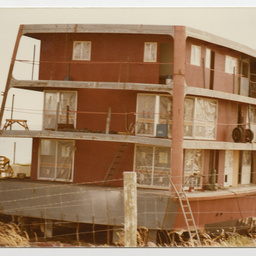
<point>234,23</point>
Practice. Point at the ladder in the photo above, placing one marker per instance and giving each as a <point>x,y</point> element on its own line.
<point>114,164</point>
<point>187,213</point>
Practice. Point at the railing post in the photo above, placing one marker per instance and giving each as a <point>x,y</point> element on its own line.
<point>108,121</point>
<point>130,209</point>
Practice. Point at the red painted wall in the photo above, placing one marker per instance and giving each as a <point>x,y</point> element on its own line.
<point>93,158</point>
<point>93,107</point>
<point>92,161</point>
<point>194,74</point>
<point>218,210</point>
<point>227,120</point>
<point>56,52</point>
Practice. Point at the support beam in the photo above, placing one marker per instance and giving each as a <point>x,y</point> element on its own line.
<point>130,209</point>
<point>178,104</point>
<point>7,85</point>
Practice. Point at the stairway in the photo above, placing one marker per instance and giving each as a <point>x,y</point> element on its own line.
<point>187,213</point>
<point>114,164</point>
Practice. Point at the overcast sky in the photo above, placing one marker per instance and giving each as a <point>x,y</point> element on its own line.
<point>236,24</point>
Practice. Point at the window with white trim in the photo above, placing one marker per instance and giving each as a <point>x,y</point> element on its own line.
<point>153,165</point>
<point>56,160</point>
<point>68,102</point>
<point>193,168</point>
<point>200,118</point>
<point>230,64</point>
<point>152,110</point>
<point>150,52</point>
<point>82,50</point>
<point>195,58</point>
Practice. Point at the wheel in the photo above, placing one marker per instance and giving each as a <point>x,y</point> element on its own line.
<point>249,135</point>
<point>237,134</point>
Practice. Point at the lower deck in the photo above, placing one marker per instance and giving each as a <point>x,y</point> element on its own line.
<point>104,205</point>
<point>84,203</point>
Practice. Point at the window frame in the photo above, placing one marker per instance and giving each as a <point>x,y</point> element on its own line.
<point>195,55</point>
<point>193,175</point>
<point>81,58</point>
<point>157,117</point>
<point>153,167</point>
<point>58,94</point>
<point>194,123</point>
<point>153,56</point>
<point>56,161</point>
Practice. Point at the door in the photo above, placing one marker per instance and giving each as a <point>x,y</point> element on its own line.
<point>166,57</point>
<point>246,167</point>
<point>228,171</point>
<point>244,80</point>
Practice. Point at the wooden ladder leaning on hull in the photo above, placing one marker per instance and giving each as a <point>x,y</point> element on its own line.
<point>118,156</point>
<point>187,213</point>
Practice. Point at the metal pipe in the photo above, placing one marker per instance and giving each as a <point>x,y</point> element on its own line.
<point>12,110</point>
<point>33,63</point>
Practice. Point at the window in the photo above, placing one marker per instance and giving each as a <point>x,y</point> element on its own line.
<point>208,58</point>
<point>195,55</point>
<point>150,52</point>
<point>82,50</point>
<point>67,101</point>
<point>193,168</point>
<point>230,64</point>
<point>153,165</point>
<point>200,118</point>
<point>56,160</point>
<point>152,110</point>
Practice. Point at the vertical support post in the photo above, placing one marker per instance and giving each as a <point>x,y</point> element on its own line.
<point>12,110</point>
<point>57,116</point>
<point>178,105</point>
<point>203,63</point>
<point>234,79</point>
<point>67,115</point>
<point>7,85</point>
<point>128,70</point>
<point>119,72</point>
<point>33,63</point>
<point>108,121</point>
<point>130,209</point>
<point>14,152</point>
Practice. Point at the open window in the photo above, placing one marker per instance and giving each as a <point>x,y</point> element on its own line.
<point>65,112</point>
<point>56,160</point>
<point>153,165</point>
<point>153,110</point>
<point>193,168</point>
